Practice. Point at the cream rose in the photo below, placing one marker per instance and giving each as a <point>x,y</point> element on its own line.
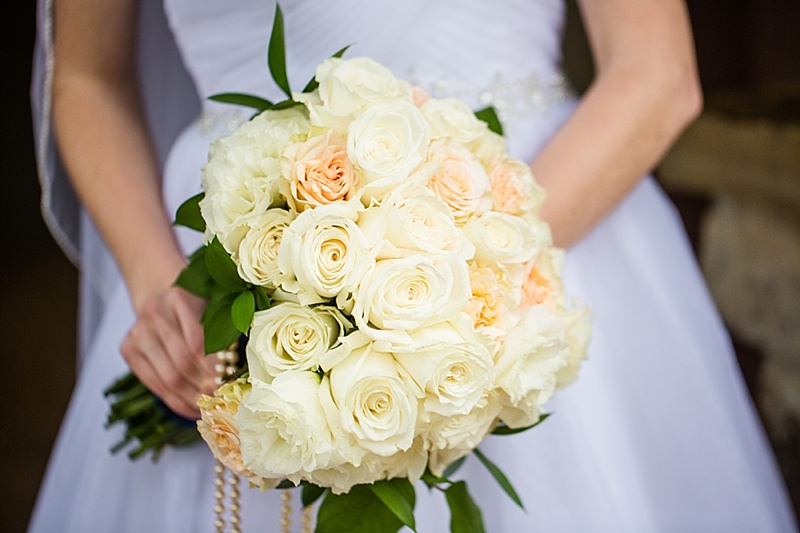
<point>514,191</point>
<point>386,144</point>
<point>419,222</point>
<point>218,428</point>
<point>292,337</point>
<point>258,250</point>
<point>317,172</point>
<point>348,87</point>
<point>241,177</point>
<point>506,239</point>
<point>376,408</point>
<point>450,368</point>
<point>452,437</point>
<point>488,147</point>
<point>410,464</point>
<point>578,336</point>
<point>323,253</point>
<point>343,477</point>
<point>461,182</point>
<point>528,361</point>
<point>283,427</point>
<point>453,119</point>
<point>400,295</point>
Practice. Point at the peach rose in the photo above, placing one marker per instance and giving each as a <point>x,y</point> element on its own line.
<point>491,307</point>
<point>542,285</point>
<point>514,190</point>
<point>318,172</point>
<point>419,96</point>
<point>461,182</point>
<point>218,428</point>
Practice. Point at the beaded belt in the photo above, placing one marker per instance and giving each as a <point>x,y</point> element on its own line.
<point>513,99</point>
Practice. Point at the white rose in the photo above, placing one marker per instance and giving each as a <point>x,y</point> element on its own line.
<point>283,428</point>
<point>418,222</point>
<point>453,437</point>
<point>528,361</point>
<point>460,182</point>
<point>258,250</point>
<point>453,119</point>
<point>386,144</point>
<point>375,406</point>
<point>409,464</point>
<point>488,147</point>
<point>450,367</point>
<point>343,477</point>
<point>502,238</point>
<point>400,295</point>
<point>292,337</point>
<point>349,86</point>
<point>323,253</point>
<point>578,336</point>
<point>242,174</point>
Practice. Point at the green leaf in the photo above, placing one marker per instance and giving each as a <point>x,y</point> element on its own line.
<point>222,268</point>
<point>501,478</point>
<point>453,467</point>
<point>341,52</point>
<point>310,493</point>
<point>465,516</point>
<point>245,100</point>
<point>312,83</point>
<point>489,116</point>
<point>220,332</point>
<point>276,55</point>
<point>263,301</point>
<point>394,494</point>
<point>505,430</point>
<point>195,277</point>
<point>431,481</point>
<point>285,104</point>
<point>242,311</point>
<point>358,511</point>
<point>189,214</point>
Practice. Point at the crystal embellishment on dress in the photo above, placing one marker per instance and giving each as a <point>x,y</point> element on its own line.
<point>213,124</point>
<point>513,99</point>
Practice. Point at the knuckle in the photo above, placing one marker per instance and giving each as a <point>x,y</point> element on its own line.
<point>151,310</point>
<point>173,381</point>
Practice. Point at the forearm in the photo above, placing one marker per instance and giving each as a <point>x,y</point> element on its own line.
<point>103,141</point>
<point>645,93</point>
<point>112,168</point>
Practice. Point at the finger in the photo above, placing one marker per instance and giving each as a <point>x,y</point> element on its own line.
<point>188,311</point>
<point>162,321</point>
<point>149,361</point>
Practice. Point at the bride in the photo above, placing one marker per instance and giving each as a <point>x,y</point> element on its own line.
<point>657,434</point>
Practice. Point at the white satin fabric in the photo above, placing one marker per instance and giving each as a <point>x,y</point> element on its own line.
<point>658,433</point>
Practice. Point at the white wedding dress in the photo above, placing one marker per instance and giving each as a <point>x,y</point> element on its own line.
<point>658,434</point>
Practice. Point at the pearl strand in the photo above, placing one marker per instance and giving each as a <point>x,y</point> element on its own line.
<point>226,365</point>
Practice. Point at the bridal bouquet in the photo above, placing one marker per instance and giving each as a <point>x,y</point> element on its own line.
<point>399,296</point>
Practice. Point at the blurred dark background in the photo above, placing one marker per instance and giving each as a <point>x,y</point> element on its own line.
<point>734,175</point>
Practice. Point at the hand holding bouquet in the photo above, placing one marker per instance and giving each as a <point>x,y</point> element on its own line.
<point>400,298</point>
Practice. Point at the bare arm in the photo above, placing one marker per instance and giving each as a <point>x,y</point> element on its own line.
<point>108,155</point>
<point>645,92</point>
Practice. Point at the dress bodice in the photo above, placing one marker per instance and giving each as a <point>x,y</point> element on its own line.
<point>461,47</point>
